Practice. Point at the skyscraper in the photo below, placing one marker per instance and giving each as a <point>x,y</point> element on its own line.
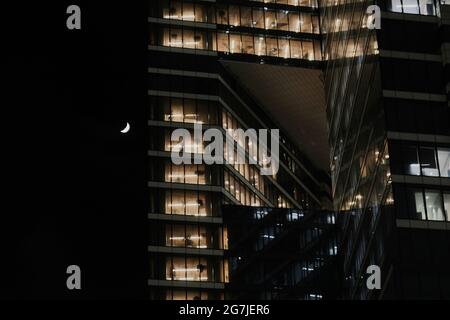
<point>197,50</point>
<point>322,74</point>
<point>388,111</point>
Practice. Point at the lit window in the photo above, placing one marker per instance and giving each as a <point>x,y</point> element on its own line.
<point>447,205</point>
<point>235,43</point>
<point>260,46</point>
<point>427,7</point>
<point>434,205</point>
<point>444,162</point>
<point>395,5</point>
<point>410,6</point>
<point>419,206</point>
<point>189,269</point>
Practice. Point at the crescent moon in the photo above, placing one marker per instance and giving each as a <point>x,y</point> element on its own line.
<point>126,129</point>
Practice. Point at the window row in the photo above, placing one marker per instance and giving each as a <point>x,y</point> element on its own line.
<point>412,159</point>
<point>190,145</point>
<point>233,15</point>
<point>240,191</point>
<point>189,173</point>
<point>198,236</point>
<point>184,110</point>
<point>190,203</point>
<point>423,7</point>
<point>252,175</point>
<point>164,170</point>
<point>185,202</point>
<point>235,43</point>
<point>208,269</point>
<point>201,174</point>
<point>422,204</point>
<point>161,293</point>
<point>303,3</point>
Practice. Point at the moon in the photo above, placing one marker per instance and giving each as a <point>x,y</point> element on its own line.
<point>126,129</point>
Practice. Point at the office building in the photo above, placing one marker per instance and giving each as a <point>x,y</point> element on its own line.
<point>387,93</point>
<point>199,55</point>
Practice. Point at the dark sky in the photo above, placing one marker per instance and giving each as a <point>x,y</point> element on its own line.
<point>73,185</point>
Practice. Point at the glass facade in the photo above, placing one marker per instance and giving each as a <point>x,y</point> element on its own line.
<point>281,253</point>
<point>389,158</point>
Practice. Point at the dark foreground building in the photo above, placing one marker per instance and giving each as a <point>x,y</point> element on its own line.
<point>284,254</point>
<point>388,111</point>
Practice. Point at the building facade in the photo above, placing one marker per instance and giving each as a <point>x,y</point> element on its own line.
<point>388,112</point>
<point>189,86</point>
<point>282,254</point>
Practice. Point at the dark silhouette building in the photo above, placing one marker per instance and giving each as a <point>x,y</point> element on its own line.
<point>282,254</point>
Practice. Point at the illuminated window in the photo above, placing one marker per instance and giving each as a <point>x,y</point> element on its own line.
<point>234,16</point>
<point>282,20</point>
<point>190,173</point>
<point>246,17</point>
<point>444,161</point>
<point>187,269</point>
<point>187,203</point>
<point>270,19</point>
<point>188,11</point>
<point>447,205</point>
<point>222,14</point>
<point>222,42</point>
<point>190,236</point>
<point>189,39</point>
<point>419,207</point>
<point>247,44</point>
<point>260,46</point>
<point>284,48</point>
<point>272,47</point>
<point>235,43</point>
<point>410,6</point>
<point>258,18</point>
<point>185,144</point>
<point>308,50</point>
<point>394,5</point>
<point>433,200</point>
<point>427,7</point>
<point>201,13</point>
<point>306,22</point>
<point>174,11</point>
<point>173,38</point>
<point>294,22</point>
<point>296,49</point>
